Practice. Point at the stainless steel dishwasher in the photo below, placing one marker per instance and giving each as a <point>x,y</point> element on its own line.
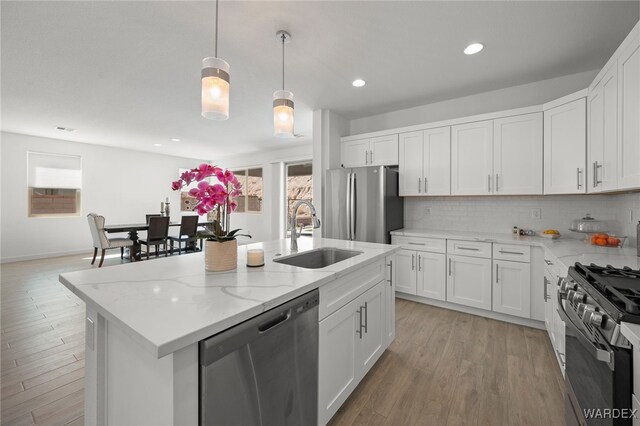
<point>263,371</point>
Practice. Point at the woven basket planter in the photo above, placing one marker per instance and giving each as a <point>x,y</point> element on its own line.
<point>220,257</point>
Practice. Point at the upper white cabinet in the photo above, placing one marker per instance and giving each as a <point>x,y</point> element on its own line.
<point>629,116</point>
<point>472,158</point>
<point>602,144</point>
<point>424,163</point>
<point>378,151</point>
<point>517,155</point>
<point>565,137</point>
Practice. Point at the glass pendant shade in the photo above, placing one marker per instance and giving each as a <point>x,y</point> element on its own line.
<point>283,113</point>
<point>215,89</point>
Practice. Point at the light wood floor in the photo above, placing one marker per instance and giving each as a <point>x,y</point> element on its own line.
<point>444,368</point>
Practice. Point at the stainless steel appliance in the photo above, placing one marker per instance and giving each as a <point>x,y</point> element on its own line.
<point>263,371</point>
<point>362,204</point>
<point>593,301</point>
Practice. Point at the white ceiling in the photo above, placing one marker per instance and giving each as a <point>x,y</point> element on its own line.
<point>127,74</point>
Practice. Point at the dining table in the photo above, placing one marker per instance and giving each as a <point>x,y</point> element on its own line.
<point>133,228</point>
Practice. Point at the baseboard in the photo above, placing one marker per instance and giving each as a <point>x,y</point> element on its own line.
<point>474,311</point>
<point>45,255</point>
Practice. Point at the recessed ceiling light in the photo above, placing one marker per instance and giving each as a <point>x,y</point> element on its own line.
<point>174,140</point>
<point>358,83</point>
<point>473,48</point>
<point>157,144</point>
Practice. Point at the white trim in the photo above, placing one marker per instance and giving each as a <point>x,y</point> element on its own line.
<point>566,99</point>
<point>474,311</point>
<point>443,123</point>
<point>45,255</point>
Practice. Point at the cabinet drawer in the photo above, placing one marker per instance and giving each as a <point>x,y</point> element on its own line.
<point>433,245</point>
<point>514,252</point>
<point>338,293</point>
<point>469,248</point>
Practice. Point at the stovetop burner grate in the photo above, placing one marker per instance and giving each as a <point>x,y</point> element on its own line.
<point>620,286</point>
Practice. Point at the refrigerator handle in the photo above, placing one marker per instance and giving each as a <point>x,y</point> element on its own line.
<point>353,206</point>
<point>349,205</point>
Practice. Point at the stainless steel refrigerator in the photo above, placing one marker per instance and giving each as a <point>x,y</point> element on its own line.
<point>362,204</point>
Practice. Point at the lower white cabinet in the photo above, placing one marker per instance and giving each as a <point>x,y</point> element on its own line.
<point>512,288</point>
<point>554,324</point>
<point>431,277</point>
<point>469,281</point>
<point>406,277</point>
<point>350,341</point>
<point>390,296</point>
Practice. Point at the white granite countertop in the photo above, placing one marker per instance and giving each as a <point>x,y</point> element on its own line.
<point>566,250</point>
<point>170,303</point>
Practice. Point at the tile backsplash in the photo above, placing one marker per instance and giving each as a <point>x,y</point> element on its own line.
<point>500,214</point>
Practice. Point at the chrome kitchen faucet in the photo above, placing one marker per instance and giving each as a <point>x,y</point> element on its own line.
<point>294,216</point>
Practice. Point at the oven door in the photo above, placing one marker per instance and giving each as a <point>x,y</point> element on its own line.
<point>598,376</point>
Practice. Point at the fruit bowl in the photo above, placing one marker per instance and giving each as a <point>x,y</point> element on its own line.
<point>607,240</point>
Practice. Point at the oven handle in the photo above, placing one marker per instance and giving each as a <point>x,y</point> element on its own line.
<point>605,356</point>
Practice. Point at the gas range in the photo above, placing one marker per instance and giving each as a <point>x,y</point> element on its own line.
<point>603,297</point>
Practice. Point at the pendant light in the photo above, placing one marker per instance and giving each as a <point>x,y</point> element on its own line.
<point>283,99</point>
<point>215,84</point>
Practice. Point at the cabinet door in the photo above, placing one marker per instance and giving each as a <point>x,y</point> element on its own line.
<point>355,153</point>
<point>472,158</point>
<point>512,288</point>
<point>410,163</point>
<point>372,339</point>
<point>565,148</point>
<point>406,271</point>
<point>436,161</point>
<point>432,275</point>
<point>595,137</point>
<point>628,122</point>
<point>390,300</point>
<point>337,359</point>
<point>549,314</point>
<point>384,151</point>
<point>469,281</point>
<point>517,155</point>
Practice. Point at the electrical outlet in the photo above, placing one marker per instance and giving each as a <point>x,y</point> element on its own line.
<point>536,213</point>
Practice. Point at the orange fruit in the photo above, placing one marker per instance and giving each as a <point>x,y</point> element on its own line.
<point>601,235</point>
<point>601,241</point>
<point>613,241</point>
<point>594,238</point>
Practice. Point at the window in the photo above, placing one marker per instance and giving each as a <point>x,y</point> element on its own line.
<point>187,202</point>
<point>54,182</point>
<point>251,199</point>
<point>299,187</point>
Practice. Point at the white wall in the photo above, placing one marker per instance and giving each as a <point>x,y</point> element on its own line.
<point>497,100</point>
<point>269,224</point>
<point>122,185</point>
<point>500,214</point>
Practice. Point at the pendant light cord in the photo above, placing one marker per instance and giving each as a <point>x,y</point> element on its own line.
<point>216,39</point>
<point>283,38</point>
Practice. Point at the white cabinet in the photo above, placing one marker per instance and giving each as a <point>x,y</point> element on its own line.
<point>378,151</point>
<point>469,281</point>
<point>424,163</point>
<point>406,277</point>
<point>472,158</point>
<point>602,143</point>
<point>517,155</point>
<point>565,148</point>
<point>431,277</point>
<point>512,288</point>
<point>554,324</point>
<point>390,295</point>
<point>350,341</point>
<point>628,121</point>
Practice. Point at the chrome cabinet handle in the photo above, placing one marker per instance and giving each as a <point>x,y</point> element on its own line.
<point>496,273</point>
<point>390,280</point>
<point>548,262</point>
<point>366,316</point>
<point>413,262</point>
<point>426,190</point>
<point>579,173</point>
<point>449,266</point>
<point>419,263</point>
<point>496,183</point>
<point>359,330</point>
<point>419,184</point>
<point>416,244</point>
<point>545,294</point>
<point>489,183</point>
<point>366,157</point>
<point>468,248</point>
<point>561,356</point>
<point>511,252</point>
<point>370,157</point>
<point>596,166</point>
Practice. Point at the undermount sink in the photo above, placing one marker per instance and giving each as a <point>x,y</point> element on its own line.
<point>318,258</point>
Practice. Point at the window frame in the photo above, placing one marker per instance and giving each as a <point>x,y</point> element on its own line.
<point>30,189</point>
<point>245,183</point>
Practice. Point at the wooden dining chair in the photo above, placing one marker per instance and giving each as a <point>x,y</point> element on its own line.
<point>100,240</point>
<point>157,234</point>
<point>149,216</point>
<point>188,233</point>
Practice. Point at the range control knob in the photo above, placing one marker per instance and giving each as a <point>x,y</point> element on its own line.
<point>586,313</point>
<point>596,318</point>
<point>579,297</point>
<point>566,286</point>
<point>580,308</point>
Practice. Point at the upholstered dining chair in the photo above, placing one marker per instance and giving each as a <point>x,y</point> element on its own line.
<point>100,240</point>
<point>188,233</point>
<point>157,234</point>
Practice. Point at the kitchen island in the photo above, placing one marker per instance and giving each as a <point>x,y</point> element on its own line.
<point>144,321</point>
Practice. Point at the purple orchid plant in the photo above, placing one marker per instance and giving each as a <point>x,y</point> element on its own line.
<point>219,198</point>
